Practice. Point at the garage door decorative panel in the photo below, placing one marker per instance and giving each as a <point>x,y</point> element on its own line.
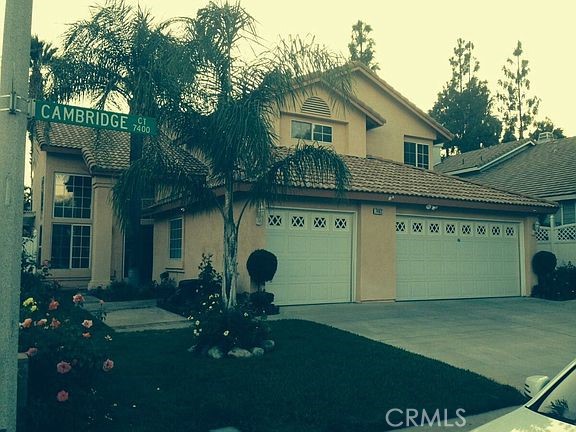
<point>451,258</point>
<point>314,256</point>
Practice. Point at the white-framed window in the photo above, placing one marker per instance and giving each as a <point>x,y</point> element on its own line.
<point>176,239</point>
<point>567,213</point>
<point>72,196</point>
<point>70,246</point>
<point>311,131</point>
<point>417,155</point>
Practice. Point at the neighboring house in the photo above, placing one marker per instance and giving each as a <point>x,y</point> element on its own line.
<point>543,168</point>
<point>404,232</point>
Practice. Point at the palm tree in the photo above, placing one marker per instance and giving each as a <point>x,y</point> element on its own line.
<point>120,59</point>
<point>42,55</point>
<point>227,123</point>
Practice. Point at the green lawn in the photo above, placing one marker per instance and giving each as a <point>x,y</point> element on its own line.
<point>317,379</point>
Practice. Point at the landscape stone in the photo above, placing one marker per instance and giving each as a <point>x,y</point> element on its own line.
<point>268,345</point>
<point>239,353</point>
<point>257,352</point>
<point>215,353</point>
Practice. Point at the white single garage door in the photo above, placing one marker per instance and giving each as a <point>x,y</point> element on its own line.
<point>314,251</point>
<point>453,258</point>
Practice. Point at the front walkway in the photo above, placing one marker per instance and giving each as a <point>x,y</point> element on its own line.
<point>506,339</point>
<point>140,315</point>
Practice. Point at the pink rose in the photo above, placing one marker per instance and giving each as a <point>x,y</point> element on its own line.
<point>63,367</point>
<point>78,298</point>
<point>53,305</point>
<point>62,396</point>
<point>55,323</point>
<point>27,323</point>
<point>42,322</point>
<point>108,365</point>
<point>32,351</point>
<point>87,323</point>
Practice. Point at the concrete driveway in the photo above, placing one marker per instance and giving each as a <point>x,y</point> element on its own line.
<point>506,339</point>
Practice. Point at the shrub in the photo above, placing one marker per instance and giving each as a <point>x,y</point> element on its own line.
<point>121,290</point>
<point>237,327</point>
<point>559,285</point>
<point>543,264</point>
<point>66,350</point>
<point>262,266</point>
<point>193,295</point>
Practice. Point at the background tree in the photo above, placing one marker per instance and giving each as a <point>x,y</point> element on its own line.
<point>42,55</point>
<point>546,125</point>
<point>121,60</point>
<point>464,105</point>
<point>227,122</point>
<point>516,107</point>
<point>362,45</point>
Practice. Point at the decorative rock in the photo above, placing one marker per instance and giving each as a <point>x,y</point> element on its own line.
<point>257,352</point>
<point>239,353</point>
<point>268,345</point>
<point>215,353</point>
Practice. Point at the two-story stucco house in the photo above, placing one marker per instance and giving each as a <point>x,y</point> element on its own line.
<point>404,232</point>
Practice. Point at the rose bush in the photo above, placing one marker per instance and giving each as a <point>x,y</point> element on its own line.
<point>66,350</point>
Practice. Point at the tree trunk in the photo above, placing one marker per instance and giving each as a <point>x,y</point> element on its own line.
<point>230,248</point>
<point>133,246</point>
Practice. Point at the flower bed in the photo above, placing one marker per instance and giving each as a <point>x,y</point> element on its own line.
<point>66,347</point>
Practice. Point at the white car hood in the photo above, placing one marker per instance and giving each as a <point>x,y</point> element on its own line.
<point>525,420</point>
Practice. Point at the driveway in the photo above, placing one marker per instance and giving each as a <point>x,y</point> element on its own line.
<point>506,339</point>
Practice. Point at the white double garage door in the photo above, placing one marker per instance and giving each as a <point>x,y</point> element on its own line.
<point>436,258</point>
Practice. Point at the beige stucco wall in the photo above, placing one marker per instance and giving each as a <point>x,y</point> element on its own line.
<point>374,242</point>
<point>376,260</point>
<point>348,124</point>
<point>203,234</point>
<point>401,124</point>
<point>106,246</point>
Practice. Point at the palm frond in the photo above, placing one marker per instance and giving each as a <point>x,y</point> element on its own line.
<point>164,169</point>
<point>306,165</point>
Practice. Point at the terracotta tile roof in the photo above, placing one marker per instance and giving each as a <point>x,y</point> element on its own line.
<point>479,158</point>
<point>547,169</point>
<point>104,150</point>
<point>108,150</point>
<point>393,178</point>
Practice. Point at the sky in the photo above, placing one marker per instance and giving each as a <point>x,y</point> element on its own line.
<point>413,38</point>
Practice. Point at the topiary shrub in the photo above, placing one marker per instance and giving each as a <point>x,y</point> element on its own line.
<point>261,266</point>
<point>543,265</point>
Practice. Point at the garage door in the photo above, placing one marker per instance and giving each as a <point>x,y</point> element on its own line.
<point>451,258</point>
<point>314,251</point>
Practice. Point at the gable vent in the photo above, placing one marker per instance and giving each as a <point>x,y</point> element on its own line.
<point>317,106</point>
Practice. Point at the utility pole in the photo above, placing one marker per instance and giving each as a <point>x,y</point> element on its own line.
<point>13,111</point>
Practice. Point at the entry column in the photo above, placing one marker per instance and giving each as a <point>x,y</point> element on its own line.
<point>101,232</point>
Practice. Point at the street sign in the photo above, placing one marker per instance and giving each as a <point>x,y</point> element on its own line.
<point>88,117</point>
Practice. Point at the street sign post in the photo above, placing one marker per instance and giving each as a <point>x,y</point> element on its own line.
<point>88,117</point>
<point>14,86</point>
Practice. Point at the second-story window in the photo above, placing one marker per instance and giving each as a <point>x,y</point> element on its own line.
<point>311,131</point>
<point>72,196</point>
<point>416,155</point>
